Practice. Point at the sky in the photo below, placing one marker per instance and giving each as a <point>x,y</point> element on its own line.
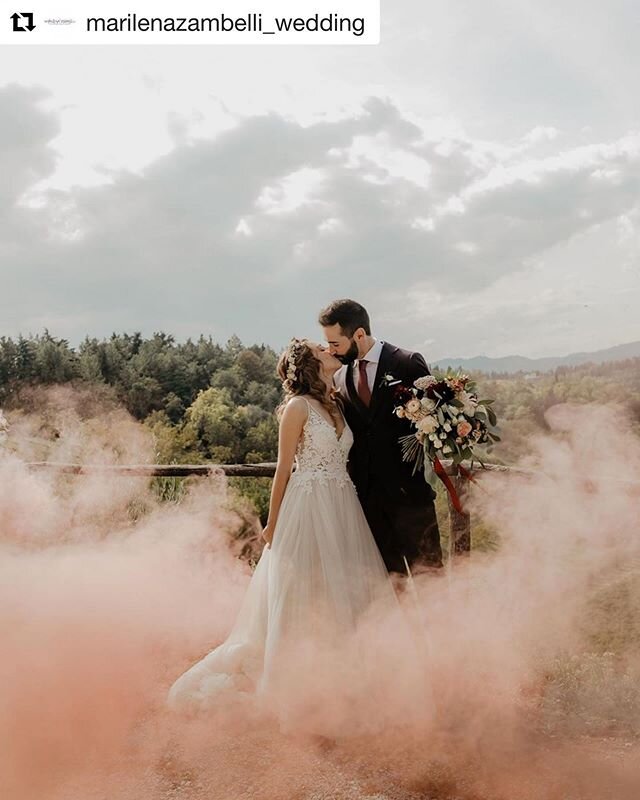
<point>473,180</point>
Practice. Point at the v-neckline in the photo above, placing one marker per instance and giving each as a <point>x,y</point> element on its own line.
<point>330,424</point>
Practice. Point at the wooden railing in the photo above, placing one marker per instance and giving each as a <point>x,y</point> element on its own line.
<point>460,524</point>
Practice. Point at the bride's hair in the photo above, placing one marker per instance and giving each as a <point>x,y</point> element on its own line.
<point>299,371</point>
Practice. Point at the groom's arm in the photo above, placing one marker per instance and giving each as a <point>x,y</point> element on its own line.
<point>417,366</point>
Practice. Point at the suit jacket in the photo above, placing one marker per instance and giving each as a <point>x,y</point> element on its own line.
<point>375,460</point>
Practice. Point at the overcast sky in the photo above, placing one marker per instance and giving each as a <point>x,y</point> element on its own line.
<point>474,180</point>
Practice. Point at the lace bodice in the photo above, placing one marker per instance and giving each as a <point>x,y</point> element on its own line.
<point>321,455</point>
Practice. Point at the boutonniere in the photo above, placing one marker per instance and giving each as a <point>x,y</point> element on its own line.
<point>388,380</point>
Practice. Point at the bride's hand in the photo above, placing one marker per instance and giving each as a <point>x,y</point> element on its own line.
<point>267,534</point>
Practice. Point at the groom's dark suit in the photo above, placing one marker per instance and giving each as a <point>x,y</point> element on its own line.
<point>398,505</point>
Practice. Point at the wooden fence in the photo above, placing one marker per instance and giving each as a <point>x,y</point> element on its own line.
<point>460,524</point>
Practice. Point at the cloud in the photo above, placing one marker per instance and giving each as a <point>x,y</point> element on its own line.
<point>218,233</point>
<point>25,156</point>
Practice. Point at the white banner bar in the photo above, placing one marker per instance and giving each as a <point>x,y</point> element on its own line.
<point>235,22</point>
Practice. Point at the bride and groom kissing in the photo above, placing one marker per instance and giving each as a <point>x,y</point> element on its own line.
<point>350,515</point>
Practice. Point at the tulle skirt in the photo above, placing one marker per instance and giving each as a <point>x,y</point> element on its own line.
<point>300,623</point>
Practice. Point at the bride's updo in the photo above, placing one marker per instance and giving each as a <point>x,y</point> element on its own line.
<point>299,371</point>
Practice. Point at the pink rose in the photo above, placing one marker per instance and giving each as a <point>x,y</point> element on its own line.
<point>463,429</point>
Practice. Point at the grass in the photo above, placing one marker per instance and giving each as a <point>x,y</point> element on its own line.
<point>595,694</point>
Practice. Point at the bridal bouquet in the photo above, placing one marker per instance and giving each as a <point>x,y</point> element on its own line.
<point>449,422</point>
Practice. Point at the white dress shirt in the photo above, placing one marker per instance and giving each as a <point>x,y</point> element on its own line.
<point>373,357</point>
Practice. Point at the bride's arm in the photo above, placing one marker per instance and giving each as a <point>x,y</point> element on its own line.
<point>291,423</point>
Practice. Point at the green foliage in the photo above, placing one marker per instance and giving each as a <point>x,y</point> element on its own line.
<point>257,492</point>
<point>170,490</point>
<point>152,375</point>
<point>174,444</point>
<point>207,402</point>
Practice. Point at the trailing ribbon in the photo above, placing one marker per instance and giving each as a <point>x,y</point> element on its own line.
<point>466,474</point>
<point>442,474</point>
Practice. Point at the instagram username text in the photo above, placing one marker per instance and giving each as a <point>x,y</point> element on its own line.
<point>250,23</point>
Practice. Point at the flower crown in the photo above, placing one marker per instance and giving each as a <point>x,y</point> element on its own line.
<point>295,349</point>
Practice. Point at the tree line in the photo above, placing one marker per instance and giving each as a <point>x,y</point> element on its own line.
<point>210,402</point>
<point>203,401</point>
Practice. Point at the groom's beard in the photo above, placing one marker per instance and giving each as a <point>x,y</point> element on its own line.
<point>350,356</point>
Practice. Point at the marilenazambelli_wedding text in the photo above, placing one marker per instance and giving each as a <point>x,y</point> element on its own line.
<point>249,23</point>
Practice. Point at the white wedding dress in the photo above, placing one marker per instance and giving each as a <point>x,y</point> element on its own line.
<point>310,590</point>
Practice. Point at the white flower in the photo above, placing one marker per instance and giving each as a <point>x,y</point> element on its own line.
<point>425,382</point>
<point>413,406</point>
<point>447,449</point>
<point>427,404</point>
<point>427,424</point>
<point>447,427</point>
<point>468,403</point>
<point>437,444</point>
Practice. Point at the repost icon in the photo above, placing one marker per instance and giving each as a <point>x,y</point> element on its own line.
<point>23,21</point>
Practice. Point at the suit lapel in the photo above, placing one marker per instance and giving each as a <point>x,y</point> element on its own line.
<point>386,358</point>
<point>378,392</point>
<point>353,394</point>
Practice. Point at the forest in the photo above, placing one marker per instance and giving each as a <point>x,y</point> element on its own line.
<point>207,402</point>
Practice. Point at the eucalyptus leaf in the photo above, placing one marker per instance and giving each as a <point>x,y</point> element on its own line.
<point>429,474</point>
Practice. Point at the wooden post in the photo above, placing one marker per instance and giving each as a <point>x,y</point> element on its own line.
<point>459,524</point>
<point>160,470</point>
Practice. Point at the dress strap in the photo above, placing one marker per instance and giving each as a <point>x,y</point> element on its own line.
<point>309,406</point>
<point>310,409</point>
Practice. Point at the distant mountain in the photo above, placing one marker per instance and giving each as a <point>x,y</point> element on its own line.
<point>514,364</point>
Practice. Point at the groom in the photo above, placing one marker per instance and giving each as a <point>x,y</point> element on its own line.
<point>398,505</point>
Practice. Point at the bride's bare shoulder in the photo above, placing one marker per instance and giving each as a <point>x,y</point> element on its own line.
<point>296,408</point>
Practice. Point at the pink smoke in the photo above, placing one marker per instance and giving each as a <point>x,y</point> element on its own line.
<point>101,610</point>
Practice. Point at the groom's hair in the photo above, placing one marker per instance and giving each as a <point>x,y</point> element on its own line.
<point>348,314</point>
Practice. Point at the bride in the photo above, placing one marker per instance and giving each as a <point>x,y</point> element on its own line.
<point>320,572</point>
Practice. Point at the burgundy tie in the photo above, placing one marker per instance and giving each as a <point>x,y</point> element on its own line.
<point>364,392</point>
